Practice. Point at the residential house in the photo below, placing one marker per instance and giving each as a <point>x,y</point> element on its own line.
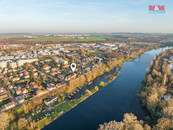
<point>24,90</point>
<point>41,92</point>
<point>32,83</point>
<point>18,92</point>
<point>50,88</point>
<point>15,79</point>
<point>35,85</point>
<point>26,76</point>
<point>50,101</point>
<point>9,105</point>
<point>3,96</point>
<point>53,73</point>
<point>58,85</point>
<point>35,74</point>
<point>46,67</point>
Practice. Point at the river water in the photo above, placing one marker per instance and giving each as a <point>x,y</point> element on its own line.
<point>112,101</point>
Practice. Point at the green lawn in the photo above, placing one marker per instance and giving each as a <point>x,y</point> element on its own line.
<point>18,109</point>
<point>95,52</point>
<point>116,37</point>
<point>63,107</point>
<point>90,38</point>
<point>68,105</point>
<point>42,39</point>
<point>4,102</point>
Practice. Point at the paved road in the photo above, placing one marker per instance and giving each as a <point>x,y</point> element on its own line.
<point>11,96</point>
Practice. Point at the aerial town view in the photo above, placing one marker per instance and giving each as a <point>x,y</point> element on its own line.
<point>86,65</point>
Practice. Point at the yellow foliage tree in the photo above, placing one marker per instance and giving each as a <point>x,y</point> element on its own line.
<point>102,83</point>
<point>88,92</point>
<point>96,88</point>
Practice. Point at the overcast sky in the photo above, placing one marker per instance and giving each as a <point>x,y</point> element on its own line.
<point>63,16</point>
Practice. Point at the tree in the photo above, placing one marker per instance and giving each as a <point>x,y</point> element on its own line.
<point>13,126</point>
<point>164,79</point>
<point>88,92</point>
<point>148,70</point>
<point>63,98</point>
<point>4,84</point>
<point>4,120</point>
<point>25,108</point>
<point>102,83</point>
<point>27,81</point>
<point>12,83</point>
<point>29,89</point>
<point>82,52</point>
<point>32,124</point>
<point>129,122</point>
<point>152,101</point>
<point>96,88</point>
<point>168,111</point>
<point>22,123</point>
<point>164,124</point>
<point>59,100</point>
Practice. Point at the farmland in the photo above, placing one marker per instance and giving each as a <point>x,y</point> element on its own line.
<point>42,39</point>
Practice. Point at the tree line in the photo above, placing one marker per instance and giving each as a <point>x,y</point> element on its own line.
<point>157,83</point>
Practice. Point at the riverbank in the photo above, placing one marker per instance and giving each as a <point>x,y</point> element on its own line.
<point>67,106</point>
<point>158,82</point>
<point>62,109</point>
<point>148,94</point>
<point>112,76</point>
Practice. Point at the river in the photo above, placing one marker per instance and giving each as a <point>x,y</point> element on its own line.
<point>112,101</point>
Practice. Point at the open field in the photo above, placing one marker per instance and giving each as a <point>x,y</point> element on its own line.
<point>42,39</point>
<point>147,43</point>
<point>95,52</point>
<point>90,38</point>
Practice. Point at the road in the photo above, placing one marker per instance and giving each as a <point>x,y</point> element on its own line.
<point>11,96</point>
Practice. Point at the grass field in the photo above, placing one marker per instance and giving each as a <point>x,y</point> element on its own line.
<point>115,37</point>
<point>64,107</point>
<point>90,38</point>
<point>42,39</point>
<point>95,52</point>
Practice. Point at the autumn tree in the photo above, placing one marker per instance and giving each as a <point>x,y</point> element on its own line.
<point>88,92</point>
<point>164,124</point>
<point>82,52</point>
<point>4,120</point>
<point>129,122</point>
<point>102,83</point>
<point>96,88</point>
<point>22,123</point>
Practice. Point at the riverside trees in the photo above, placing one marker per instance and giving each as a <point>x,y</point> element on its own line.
<point>129,122</point>
<point>156,94</point>
<point>156,83</point>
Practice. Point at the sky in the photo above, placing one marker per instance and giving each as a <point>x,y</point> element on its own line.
<point>84,16</point>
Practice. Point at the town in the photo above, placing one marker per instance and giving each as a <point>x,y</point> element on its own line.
<point>25,75</point>
<point>38,82</point>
